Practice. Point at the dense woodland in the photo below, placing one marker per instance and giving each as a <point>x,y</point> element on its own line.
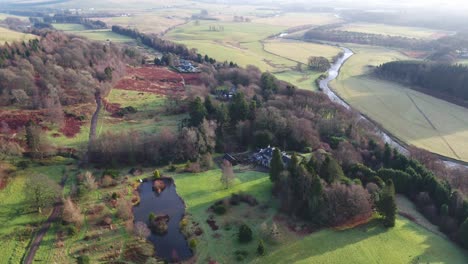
<point>366,39</point>
<point>445,81</point>
<point>58,70</point>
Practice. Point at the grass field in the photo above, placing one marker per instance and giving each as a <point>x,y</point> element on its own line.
<point>150,118</point>
<point>413,117</point>
<point>15,217</point>
<point>299,19</point>
<point>243,44</point>
<point>10,36</point>
<point>300,51</point>
<point>201,190</point>
<point>370,243</point>
<point>98,35</point>
<point>409,32</point>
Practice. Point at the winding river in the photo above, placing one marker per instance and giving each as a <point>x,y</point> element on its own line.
<point>333,73</point>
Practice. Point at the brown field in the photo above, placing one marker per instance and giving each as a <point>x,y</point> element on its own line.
<point>156,80</point>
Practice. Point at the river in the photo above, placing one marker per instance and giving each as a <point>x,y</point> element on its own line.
<point>333,73</point>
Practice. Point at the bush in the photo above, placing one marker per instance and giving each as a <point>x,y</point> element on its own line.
<point>245,234</point>
<point>83,260</point>
<point>107,181</point>
<point>220,209</point>
<point>71,230</point>
<point>241,254</point>
<point>151,217</point>
<point>115,196</point>
<point>193,243</point>
<point>156,174</point>
<point>113,173</point>
<point>261,248</point>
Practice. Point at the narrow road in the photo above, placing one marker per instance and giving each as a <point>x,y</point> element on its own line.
<point>45,227</point>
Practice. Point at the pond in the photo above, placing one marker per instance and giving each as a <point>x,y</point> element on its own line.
<point>172,245</point>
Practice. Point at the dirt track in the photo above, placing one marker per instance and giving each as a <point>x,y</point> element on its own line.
<point>44,228</point>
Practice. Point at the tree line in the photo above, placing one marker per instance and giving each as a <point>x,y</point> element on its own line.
<point>442,80</point>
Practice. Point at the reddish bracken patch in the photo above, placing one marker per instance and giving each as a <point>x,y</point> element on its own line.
<point>212,224</point>
<point>156,80</point>
<point>71,127</point>
<point>356,221</point>
<point>12,121</point>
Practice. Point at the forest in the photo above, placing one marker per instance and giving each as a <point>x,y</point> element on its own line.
<point>58,70</point>
<point>446,81</point>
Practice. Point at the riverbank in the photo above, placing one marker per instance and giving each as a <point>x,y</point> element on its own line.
<point>384,134</point>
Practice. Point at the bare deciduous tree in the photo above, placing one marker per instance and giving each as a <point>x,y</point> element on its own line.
<point>227,177</point>
<point>141,230</point>
<point>71,213</point>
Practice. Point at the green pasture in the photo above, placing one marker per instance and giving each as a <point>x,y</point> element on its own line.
<point>413,117</point>
<point>371,243</point>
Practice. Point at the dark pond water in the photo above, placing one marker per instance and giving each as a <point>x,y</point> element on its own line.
<point>167,202</point>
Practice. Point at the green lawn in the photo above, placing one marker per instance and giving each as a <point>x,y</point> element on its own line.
<point>413,117</point>
<point>370,243</point>
<point>201,190</point>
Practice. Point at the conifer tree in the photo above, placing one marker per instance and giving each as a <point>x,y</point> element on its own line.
<point>276,165</point>
<point>386,206</point>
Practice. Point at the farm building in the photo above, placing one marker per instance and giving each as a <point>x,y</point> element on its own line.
<point>263,157</point>
<point>186,66</point>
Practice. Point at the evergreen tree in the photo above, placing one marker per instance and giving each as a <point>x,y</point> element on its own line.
<point>330,170</point>
<point>276,165</point>
<point>210,109</point>
<point>239,108</point>
<point>463,233</point>
<point>197,112</point>
<point>293,166</point>
<point>312,164</point>
<point>387,155</point>
<point>261,248</point>
<point>386,206</point>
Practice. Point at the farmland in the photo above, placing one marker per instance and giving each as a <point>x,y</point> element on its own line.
<point>9,36</point>
<point>409,32</point>
<point>243,44</point>
<point>98,35</point>
<point>413,117</point>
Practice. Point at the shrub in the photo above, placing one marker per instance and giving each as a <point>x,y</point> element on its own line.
<point>156,174</point>
<point>261,248</point>
<point>124,209</point>
<point>71,230</point>
<point>115,196</point>
<point>241,254</point>
<point>151,217</point>
<point>107,181</point>
<point>83,260</point>
<point>220,209</point>
<point>113,173</point>
<point>172,167</point>
<point>245,234</point>
<point>193,243</point>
